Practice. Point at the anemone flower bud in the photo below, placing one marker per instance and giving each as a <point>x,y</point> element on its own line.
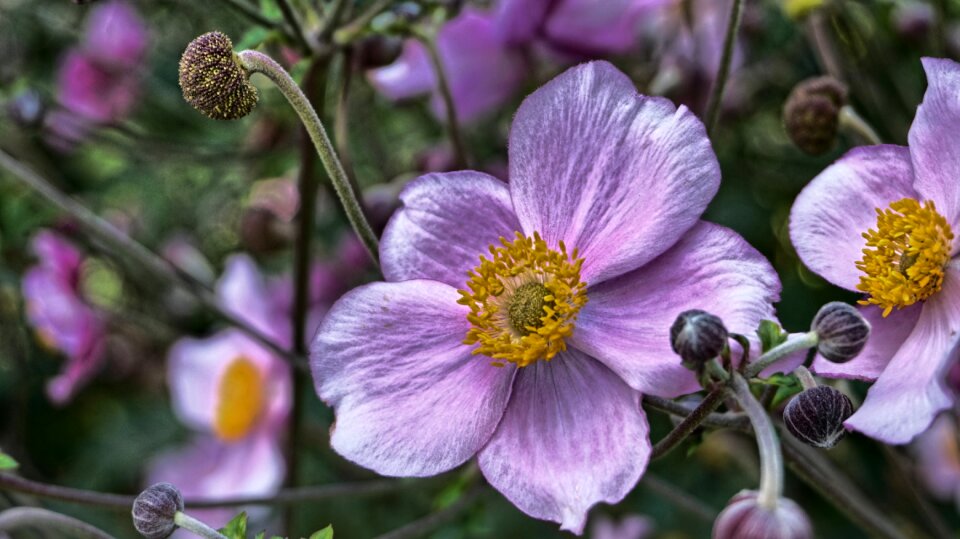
<point>154,510</point>
<point>811,113</point>
<point>214,80</point>
<point>816,416</point>
<point>745,518</point>
<point>842,331</point>
<point>261,231</point>
<point>697,337</point>
<point>378,51</point>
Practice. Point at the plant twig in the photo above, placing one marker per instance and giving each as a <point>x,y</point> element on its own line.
<point>723,71</point>
<point>293,21</point>
<point>18,518</point>
<point>690,423</point>
<point>729,420</point>
<point>354,28</point>
<point>254,15</point>
<point>443,86</point>
<point>775,354</point>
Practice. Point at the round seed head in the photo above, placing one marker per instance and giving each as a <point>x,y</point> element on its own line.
<point>154,511</point>
<point>697,337</point>
<point>214,81</point>
<point>842,331</point>
<point>816,416</point>
<point>811,113</point>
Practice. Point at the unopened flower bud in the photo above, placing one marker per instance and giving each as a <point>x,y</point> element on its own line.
<point>154,511</point>
<point>842,331</point>
<point>26,109</point>
<point>811,113</point>
<point>745,518</point>
<point>816,416</point>
<point>214,80</point>
<point>697,337</point>
<point>261,231</point>
<point>378,51</point>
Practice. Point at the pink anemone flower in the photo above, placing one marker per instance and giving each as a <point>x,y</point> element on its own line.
<point>937,454</point>
<point>881,221</point>
<point>522,323</point>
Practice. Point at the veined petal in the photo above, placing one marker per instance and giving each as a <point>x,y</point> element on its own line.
<point>934,147</point>
<point>617,175</point>
<point>573,435</point>
<point>446,223</point>
<point>886,337</point>
<point>410,398</point>
<point>626,323</point>
<point>911,391</point>
<point>833,211</point>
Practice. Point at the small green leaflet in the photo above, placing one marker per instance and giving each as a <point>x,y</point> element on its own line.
<point>236,528</point>
<point>326,533</point>
<point>770,334</point>
<point>7,462</point>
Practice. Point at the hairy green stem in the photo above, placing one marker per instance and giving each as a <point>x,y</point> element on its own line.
<point>728,420</point>
<point>257,62</point>
<point>775,354</point>
<point>723,71</point>
<point>806,378</point>
<point>690,423</point>
<point>187,522</point>
<point>771,461</point>
<point>17,518</point>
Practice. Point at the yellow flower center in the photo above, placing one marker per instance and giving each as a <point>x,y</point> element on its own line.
<point>240,400</point>
<point>905,255</point>
<point>523,300</point>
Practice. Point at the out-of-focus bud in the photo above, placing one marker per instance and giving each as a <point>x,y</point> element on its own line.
<point>811,113</point>
<point>408,11</point>
<point>154,511</point>
<point>842,331</point>
<point>816,416</point>
<point>261,231</point>
<point>912,20</point>
<point>26,109</point>
<point>745,518</point>
<point>378,51</point>
<point>798,9</point>
<point>697,337</point>
<point>214,80</point>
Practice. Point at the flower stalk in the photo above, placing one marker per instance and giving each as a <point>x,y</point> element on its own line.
<point>771,461</point>
<point>723,71</point>
<point>852,122</point>
<point>18,518</point>
<point>429,41</point>
<point>775,354</point>
<point>187,522</point>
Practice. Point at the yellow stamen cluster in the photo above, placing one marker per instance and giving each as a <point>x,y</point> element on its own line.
<point>240,400</point>
<point>905,255</point>
<point>523,300</point>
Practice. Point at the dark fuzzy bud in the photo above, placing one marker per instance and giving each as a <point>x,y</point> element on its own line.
<point>697,337</point>
<point>154,511</point>
<point>811,113</point>
<point>261,231</point>
<point>842,331</point>
<point>816,415</point>
<point>214,81</point>
<point>745,518</point>
<point>378,51</point>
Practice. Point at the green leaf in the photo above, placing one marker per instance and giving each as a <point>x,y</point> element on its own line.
<point>771,335</point>
<point>7,462</point>
<point>326,533</point>
<point>236,528</point>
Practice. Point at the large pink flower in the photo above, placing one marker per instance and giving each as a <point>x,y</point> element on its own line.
<point>913,275</point>
<point>603,207</point>
<point>60,315</point>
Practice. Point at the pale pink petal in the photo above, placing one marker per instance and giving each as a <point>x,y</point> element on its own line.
<point>886,337</point>
<point>626,321</point>
<point>937,455</point>
<point>911,390</point>
<point>833,211</point>
<point>409,397</point>
<point>617,175</point>
<point>629,527</point>
<point>597,27</point>
<point>573,435</point>
<point>409,76</point>
<point>518,21</point>
<point>446,223</point>
<point>933,142</point>
<point>243,292</point>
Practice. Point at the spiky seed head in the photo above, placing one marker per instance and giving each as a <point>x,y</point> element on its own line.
<point>214,80</point>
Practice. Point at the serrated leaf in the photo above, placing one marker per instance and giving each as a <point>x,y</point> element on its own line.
<point>7,462</point>
<point>236,528</point>
<point>771,335</point>
<point>326,533</point>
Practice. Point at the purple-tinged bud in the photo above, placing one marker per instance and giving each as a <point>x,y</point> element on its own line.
<point>154,511</point>
<point>26,109</point>
<point>378,51</point>
<point>261,231</point>
<point>214,80</point>
<point>745,518</point>
<point>842,331</point>
<point>697,337</point>
<point>913,20</point>
<point>811,113</point>
<point>816,415</point>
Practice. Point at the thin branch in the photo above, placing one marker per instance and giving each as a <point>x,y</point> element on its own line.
<point>354,28</point>
<point>690,423</point>
<point>332,19</point>
<point>422,527</point>
<point>254,14</point>
<point>723,71</point>
<point>729,420</point>
<point>34,517</point>
<point>293,21</point>
<point>132,250</point>
<point>443,86</point>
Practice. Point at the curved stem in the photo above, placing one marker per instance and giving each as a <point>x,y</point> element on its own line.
<point>187,522</point>
<point>806,378</point>
<point>771,461</point>
<point>728,420</point>
<point>690,423</point>
<point>256,62</point>
<point>723,71</point>
<point>808,340</point>
<point>443,86</point>
<point>35,517</point>
<point>853,122</point>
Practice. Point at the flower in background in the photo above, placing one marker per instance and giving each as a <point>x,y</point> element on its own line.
<point>521,323</point>
<point>937,453</point>
<point>628,527</point>
<point>482,71</point>
<point>98,82</point>
<point>60,314</point>
<point>881,221</point>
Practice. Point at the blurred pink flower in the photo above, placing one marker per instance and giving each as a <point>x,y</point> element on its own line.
<point>60,315</point>
<point>937,453</point>
<point>93,92</point>
<point>628,527</point>
<point>115,36</point>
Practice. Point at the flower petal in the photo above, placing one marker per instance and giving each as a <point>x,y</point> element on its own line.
<point>243,292</point>
<point>911,390</point>
<point>410,398</point>
<point>598,28</point>
<point>447,221</point>
<point>886,337</point>
<point>933,141</point>
<point>834,210</point>
<point>518,21</point>
<point>626,322</point>
<point>617,175</point>
<point>573,435</point>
